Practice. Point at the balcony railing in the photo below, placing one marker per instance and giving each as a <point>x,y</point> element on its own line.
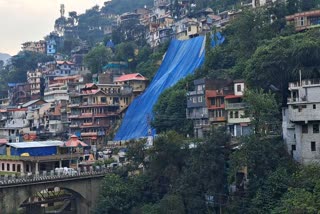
<point>235,105</point>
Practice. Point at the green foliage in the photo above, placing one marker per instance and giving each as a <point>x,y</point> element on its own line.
<point>263,111</point>
<point>122,6</point>
<point>117,195</point>
<point>169,111</point>
<point>97,58</point>
<point>19,65</point>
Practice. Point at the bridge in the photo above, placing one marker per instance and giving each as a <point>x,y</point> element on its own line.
<point>78,193</point>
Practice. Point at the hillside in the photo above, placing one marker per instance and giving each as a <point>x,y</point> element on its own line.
<point>122,6</point>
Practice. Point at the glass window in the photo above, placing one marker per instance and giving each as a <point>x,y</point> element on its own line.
<point>103,100</point>
<point>239,88</point>
<point>293,147</point>
<point>236,114</point>
<point>314,106</point>
<point>315,128</point>
<point>305,129</point>
<point>231,114</point>
<point>313,146</point>
<point>213,102</point>
<point>200,99</point>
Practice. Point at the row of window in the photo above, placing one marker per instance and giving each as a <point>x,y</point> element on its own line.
<point>315,128</point>
<point>11,167</point>
<point>234,114</point>
<point>313,147</point>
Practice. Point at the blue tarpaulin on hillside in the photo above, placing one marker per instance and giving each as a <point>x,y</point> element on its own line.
<point>181,59</point>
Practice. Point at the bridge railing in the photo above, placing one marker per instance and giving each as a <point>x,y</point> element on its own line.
<point>51,176</point>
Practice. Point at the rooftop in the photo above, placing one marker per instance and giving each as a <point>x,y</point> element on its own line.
<point>36,144</point>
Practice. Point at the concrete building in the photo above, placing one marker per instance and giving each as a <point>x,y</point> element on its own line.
<point>238,125</point>
<point>301,121</point>
<point>136,81</point>
<point>93,112</point>
<point>37,156</point>
<point>304,20</point>
<point>34,80</point>
<point>205,105</point>
<point>39,46</point>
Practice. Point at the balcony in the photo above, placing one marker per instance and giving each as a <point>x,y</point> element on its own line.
<point>74,125</point>
<point>196,115</point>
<point>230,106</point>
<point>73,116</point>
<point>190,93</point>
<point>74,105</point>
<point>217,119</point>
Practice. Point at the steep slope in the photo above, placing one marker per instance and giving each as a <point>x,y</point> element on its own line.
<point>181,59</point>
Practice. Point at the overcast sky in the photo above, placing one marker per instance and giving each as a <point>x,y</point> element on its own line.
<point>31,20</point>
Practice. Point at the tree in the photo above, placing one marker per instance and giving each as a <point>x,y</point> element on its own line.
<point>117,195</point>
<point>169,111</point>
<point>97,58</point>
<point>263,111</point>
<point>204,176</point>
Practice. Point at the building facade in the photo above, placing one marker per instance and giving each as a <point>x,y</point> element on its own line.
<point>301,120</point>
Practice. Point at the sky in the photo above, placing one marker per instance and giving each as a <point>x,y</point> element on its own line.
<point>31,20</point>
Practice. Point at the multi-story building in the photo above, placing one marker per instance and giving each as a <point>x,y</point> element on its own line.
<point>238,125</point>
<point>205,105</point>
<point>136,81</point>
<point>304,20</point>
<point>93,111</point>
<point>34,80</point>
<point>39,47</point>
<point>301,120</point>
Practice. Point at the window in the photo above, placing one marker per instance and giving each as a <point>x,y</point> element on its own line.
<point>236,114</point>
<point>231,114</point>
<point>239,88</point>
<point>8,167</point>
<point>222,100</point>
<point>293,147</point>
<point>13,167</point>
<point>199,99</point>
<point>304,129</point>
<point>103,100</point>
<point>213,102</point>
<point>314,106</point>
<point>189,28</point>
<point>313,146</point>
<point>315,128</point>
<point>18,168</point>
<point>194,100</point>
<point>301,21</point>
<point>2,166</point>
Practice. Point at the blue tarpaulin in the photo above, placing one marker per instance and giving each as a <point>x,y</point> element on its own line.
<point>37,151</point>
<point>181,59</point>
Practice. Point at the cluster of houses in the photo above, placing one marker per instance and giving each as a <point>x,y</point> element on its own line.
<point>218,103</point>
<point>57,101</point>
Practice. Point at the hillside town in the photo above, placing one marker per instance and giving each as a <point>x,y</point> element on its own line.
<point>207,112</point>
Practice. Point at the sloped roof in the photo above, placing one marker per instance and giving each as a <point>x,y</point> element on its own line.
<point>31,102</point>
<point>127,77</point>
<point>74,142</point>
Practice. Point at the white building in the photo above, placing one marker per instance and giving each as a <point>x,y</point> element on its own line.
<point>238,125</point>
<point>301,121</point>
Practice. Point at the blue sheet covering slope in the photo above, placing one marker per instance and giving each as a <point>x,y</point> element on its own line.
<point>181,59</point>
